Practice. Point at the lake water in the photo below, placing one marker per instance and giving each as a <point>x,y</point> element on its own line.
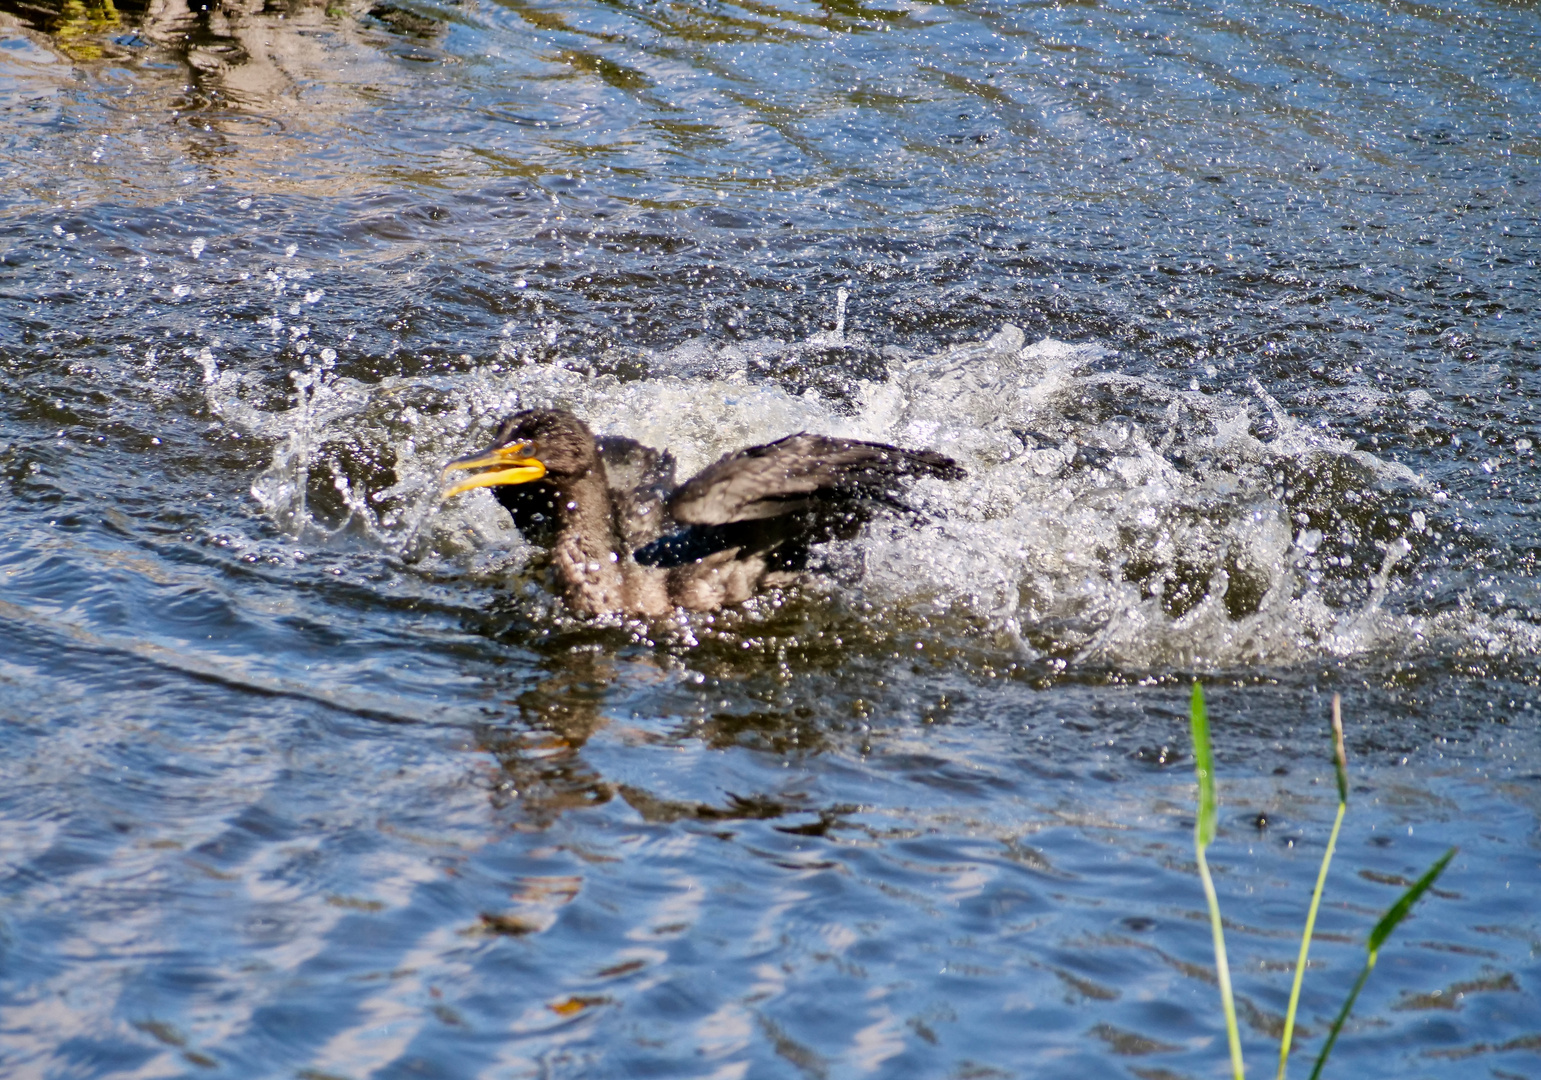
<point>1229,309</point>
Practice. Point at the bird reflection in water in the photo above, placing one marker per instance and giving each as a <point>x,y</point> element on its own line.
<point>541,771</point>
<point>540,762</point>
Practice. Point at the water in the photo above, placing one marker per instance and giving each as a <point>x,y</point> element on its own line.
<point>1228,310</point>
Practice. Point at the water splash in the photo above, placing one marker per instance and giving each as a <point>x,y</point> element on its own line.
<point>1110,519</point>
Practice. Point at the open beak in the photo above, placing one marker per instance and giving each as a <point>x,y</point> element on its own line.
<point>499,465</point>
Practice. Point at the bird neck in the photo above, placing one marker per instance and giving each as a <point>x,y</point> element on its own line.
<point>587,553</point>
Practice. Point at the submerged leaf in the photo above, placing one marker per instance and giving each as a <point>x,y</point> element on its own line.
<point>575,1005</point>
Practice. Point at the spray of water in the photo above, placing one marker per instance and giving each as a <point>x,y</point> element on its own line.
<point>1109,518</point>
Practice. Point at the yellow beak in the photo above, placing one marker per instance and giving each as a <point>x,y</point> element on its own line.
<point>499,465</point>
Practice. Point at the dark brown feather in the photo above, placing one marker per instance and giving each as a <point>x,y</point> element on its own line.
<point>791,474</point>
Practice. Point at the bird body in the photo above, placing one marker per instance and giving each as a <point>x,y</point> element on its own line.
<point>624,539</point>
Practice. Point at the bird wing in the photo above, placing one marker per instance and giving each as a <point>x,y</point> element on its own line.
<point>796,473</point>
<point>779,498</point>
<point>640,481</point>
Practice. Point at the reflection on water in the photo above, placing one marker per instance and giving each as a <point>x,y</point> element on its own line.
<point>1225,310</point>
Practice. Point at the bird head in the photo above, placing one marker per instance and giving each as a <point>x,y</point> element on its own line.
<point>528,446</point>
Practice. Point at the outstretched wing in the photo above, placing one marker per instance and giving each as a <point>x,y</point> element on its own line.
<point>790,493</point>
<point>797,473</point>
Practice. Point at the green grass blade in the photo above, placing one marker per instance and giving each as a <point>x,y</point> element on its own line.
<point>1398,911</point>
<point>1203,834</point>
<point>1388,922</point>
<point>1222,970</point>
<point>1204,765</point>
<point>1341,768</point>
<point>1337,1025</point>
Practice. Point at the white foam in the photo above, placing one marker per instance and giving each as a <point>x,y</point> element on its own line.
<point>1108,518</point>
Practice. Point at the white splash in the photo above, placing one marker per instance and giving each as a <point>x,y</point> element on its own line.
<point>1108,519</point>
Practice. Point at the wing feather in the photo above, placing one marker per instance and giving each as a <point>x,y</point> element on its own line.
<point>777,499</point>
<point>796,473</point>
<point>640,480</point>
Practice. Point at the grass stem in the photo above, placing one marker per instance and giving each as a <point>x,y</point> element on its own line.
<point>1340,764</point>
<point>1205,825</point>
<point>1388,922</point>
<point>1203,833</point>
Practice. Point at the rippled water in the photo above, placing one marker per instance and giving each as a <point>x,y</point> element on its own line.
<point>1228,309</point>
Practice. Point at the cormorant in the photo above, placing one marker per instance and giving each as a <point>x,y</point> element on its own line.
<point>625,539</point>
